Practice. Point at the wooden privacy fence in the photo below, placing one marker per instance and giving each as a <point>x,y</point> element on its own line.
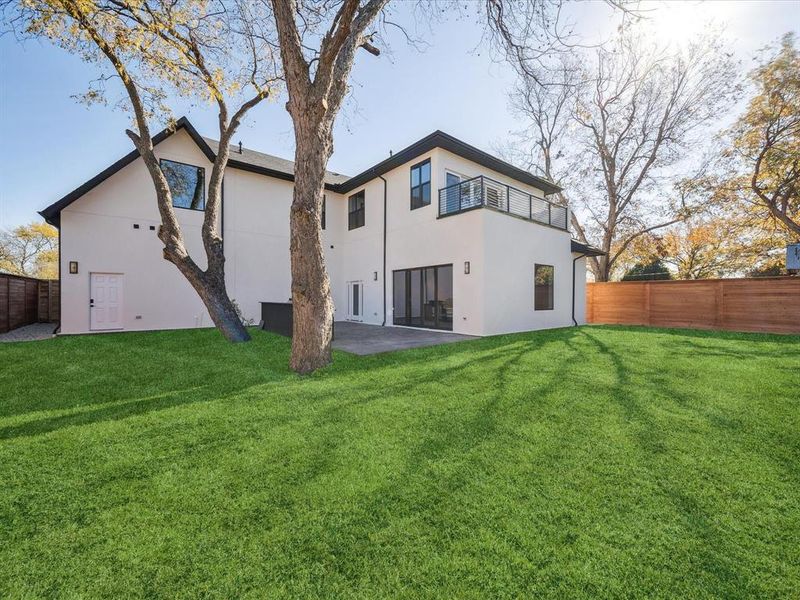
<point>24,300</point>
<point>768,304</point>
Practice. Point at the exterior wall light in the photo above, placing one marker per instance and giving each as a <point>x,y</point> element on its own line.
<point>375,276</point>
<point>73,267</point>
<point>466,267</point>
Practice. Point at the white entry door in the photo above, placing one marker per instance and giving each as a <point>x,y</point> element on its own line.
<point>105,301</point>
<point>355,300</point>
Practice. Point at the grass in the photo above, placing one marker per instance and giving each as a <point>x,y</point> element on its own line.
<point>612,462</point>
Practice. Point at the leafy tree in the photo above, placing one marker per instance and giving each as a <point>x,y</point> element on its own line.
<point>30,250</point>
<point>652,271</point>
<point>763,158</point>
<point>205,50</point>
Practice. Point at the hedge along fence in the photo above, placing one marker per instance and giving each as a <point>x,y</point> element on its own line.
<point>768,304</point>
<point>24,300</point>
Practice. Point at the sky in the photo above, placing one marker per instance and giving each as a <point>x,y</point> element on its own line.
<point>50,144</point>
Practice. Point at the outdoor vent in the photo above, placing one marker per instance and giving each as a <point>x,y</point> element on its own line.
<point>152,227</point>
<point>136,226</point>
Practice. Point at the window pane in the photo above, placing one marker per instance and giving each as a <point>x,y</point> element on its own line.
<point>544,276</point>
<point>399,294</point>
<point>355,217</point>
<point>453,179</point>
<point>429,298</point>
<point>356,305</point>
<point>416,197</point>
<point>426,172</point>
<point>415,177</point>
<point>415,317</point>
<point>186,183</point>
<point>426,193</point>
<point>444,296</point>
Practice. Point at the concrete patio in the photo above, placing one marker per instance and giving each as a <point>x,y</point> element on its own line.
<point>362,339</point>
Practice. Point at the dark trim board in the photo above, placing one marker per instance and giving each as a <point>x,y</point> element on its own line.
<point>580,248</point>
<point>440,139</point>
<point>437,139</point>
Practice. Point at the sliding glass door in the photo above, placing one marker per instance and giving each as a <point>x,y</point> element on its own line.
<point>423,297</point>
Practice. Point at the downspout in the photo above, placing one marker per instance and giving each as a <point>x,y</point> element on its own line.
<point>575,260</point>
<point>60,287</point>
<point>383,271</point>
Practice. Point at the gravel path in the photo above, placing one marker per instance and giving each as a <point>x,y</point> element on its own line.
<point>29,333</point>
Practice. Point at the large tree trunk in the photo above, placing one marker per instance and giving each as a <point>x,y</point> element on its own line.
<point>312,305</point>
<point>221,309</point>
<point>210,286</point>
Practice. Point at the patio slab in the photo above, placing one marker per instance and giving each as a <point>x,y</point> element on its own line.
<point>359,338</point>
<point>29,333</point>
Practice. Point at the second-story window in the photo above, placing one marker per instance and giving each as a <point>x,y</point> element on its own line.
<point>355,214</point>
<point>322,216</point>
<point>187,184</point>
<point>421,184</point>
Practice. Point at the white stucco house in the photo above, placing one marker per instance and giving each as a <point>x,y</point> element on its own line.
<point>440,235</point>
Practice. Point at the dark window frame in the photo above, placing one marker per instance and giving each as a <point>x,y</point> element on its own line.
<point>550,295</point>
<point>439,324</point>
<point>421,185</point>
<point>202,170</point>
<point>356,218</point>
<point>323,215</point>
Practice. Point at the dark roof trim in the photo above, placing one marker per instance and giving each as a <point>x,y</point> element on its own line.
<point>580,248</point>
<point>439,139</point>
<point>52,214</point>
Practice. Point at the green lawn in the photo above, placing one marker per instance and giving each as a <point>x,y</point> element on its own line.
<point>590,462</point>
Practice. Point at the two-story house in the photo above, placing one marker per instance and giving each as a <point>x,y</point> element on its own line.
<point>439,235</point>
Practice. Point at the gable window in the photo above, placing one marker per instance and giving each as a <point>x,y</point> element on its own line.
<point>355,215</point>
<point>187,184</point>
<point>421,184</point>
<point>322,217</point>
<point>543,287</point>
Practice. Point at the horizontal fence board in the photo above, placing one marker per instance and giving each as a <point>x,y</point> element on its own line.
<point>770,305</point>
<point>24,301</point>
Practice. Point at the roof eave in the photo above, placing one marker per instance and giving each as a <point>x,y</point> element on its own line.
<point>440,139</point>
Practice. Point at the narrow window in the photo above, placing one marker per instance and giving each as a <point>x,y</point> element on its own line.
<point>187,184</point>
<point>322,217</point>
<point>355,217</point>
<point>421,184</point>
<point>543,287</point>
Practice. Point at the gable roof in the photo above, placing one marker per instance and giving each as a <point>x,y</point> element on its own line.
<point>281,168</point>
<point>440,139</point>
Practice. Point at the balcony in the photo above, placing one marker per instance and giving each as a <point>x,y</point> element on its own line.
<point>484,192</point>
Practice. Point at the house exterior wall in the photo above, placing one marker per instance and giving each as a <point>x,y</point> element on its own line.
<point>97,231</point>
<point>495,297</point>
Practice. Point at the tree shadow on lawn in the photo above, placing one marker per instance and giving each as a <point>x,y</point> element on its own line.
<point>90,379</point>
<point>717,557</point>
<point>439,463</point>
<point>128,386</point>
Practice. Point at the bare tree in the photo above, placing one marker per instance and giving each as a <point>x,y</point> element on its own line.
<point>640,111</point>
<point>205,49</point>
<point>318,43</point>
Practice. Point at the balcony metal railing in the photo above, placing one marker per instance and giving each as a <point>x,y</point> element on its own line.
<point>483,191</point>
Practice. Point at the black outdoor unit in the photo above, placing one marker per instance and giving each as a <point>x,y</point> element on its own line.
<point>277,317</point>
